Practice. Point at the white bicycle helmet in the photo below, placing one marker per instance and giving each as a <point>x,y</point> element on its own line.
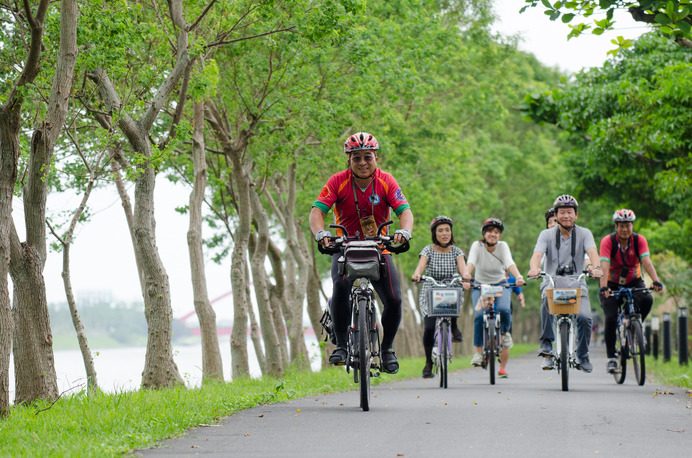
<point>624,215</point>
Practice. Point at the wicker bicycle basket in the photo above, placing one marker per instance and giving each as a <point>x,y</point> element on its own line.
<point>563,301</point>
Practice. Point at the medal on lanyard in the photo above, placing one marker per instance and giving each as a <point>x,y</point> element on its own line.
<point>367,223</point>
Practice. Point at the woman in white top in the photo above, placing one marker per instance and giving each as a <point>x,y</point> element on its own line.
<point>491,259</point>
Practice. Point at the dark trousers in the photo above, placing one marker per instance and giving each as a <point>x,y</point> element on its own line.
<point>611,305</point>
<point>387,289</point>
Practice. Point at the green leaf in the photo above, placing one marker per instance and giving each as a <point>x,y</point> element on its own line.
<point>547,4</point>
<point>567,17</point>
<point>662,19</point>
<point>597,31</point>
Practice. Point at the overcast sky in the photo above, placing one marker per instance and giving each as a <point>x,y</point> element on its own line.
<point>102,255</point>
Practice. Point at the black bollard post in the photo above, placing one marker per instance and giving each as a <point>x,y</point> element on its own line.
<point>647,337</point>
<point>655,324</point>
<point>666,337</point>
<point>682,336</point>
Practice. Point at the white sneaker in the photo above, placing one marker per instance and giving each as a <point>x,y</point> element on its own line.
<point>507,340</point>
<point>477,359</point>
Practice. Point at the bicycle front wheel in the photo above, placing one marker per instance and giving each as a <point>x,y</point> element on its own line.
<point>364,354</point>
<point>621,372</point>
<point>492,351</point>
<point>564,354</point>
<point>637,344</point>
<point>444,352</point>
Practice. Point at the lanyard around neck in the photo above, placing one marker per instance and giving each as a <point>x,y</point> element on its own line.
<point>574,244</point>
<point>355,196</point>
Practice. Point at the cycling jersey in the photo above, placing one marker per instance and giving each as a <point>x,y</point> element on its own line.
<point>376,199</point>
<point>631,261</point>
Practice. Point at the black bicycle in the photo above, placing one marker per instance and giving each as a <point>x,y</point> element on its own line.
<point>629,337</point>
<point>361,261</point>
<point>444,302</point>
<point>492,335</point>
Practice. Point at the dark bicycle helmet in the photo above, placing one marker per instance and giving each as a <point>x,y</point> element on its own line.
<point>565,201</point>
<point>492,222</point>
<point>549,214</point>
<point>436,221</point>
<point>624,216</point>
<point>442,219</point>
<point>361,141</point>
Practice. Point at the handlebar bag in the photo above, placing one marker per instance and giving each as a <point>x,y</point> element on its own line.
<point>362,262</point>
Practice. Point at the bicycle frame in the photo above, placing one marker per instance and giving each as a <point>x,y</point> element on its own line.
<point>492,324</point>
<point>443,335</point>
<point>363,346</point>
<point>630,342</point>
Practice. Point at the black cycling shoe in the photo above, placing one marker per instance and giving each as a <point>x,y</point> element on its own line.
<point>390,365</point>
<point>338,357</point>
<point>427,370</point>
<point>456,335</point>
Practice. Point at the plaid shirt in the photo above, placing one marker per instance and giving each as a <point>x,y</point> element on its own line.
<point>440,266</point>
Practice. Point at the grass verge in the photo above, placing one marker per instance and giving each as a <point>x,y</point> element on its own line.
<point>670,373</point>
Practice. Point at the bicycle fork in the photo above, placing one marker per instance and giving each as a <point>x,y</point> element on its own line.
<point>570,341</point>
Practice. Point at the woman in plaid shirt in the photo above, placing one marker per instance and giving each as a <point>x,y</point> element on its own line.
<point>440,260</point>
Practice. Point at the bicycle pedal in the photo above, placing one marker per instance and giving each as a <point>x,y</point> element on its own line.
<point>374,374</point>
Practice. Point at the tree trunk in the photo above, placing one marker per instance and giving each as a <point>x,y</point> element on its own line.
<point>66,242</point>
<point>255,334</point>
<point>34,365</point>
<point>261,286</point>
<point>212,367</point>
<point>159,368</point>
<point>277,296</point>
<point>9,155</point>
<point>34,362</point>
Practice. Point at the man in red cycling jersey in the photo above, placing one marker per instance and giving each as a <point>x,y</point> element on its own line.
<point>623,254</point>
<point>362,196</point>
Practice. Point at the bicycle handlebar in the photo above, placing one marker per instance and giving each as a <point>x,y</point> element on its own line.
<point>456,279</point>
<point>340,242</point>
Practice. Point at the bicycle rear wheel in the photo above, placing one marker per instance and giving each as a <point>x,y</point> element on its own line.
<point>621,373</point>
<point>444,352</point>
<point>564,354</point>
<point>637,352</point>
<point>364,354</point>
<point>490,345</point>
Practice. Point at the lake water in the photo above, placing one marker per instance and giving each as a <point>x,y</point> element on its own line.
<point>120,369</point>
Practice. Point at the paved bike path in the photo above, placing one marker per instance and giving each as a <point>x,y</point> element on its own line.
<point>526,414</point>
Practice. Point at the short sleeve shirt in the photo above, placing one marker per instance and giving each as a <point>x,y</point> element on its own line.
<point>440,266</point>
<point>376,199</point>
<point>630,256</point>
<point>490,268</point>
<point>555,258</point>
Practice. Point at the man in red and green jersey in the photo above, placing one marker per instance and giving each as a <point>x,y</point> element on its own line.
<point>362,197</point>
<point>623,254</point>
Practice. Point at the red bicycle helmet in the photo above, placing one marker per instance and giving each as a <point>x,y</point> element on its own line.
<point>361,141</point>
<point>624,216</point>
<point>492,222</point>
